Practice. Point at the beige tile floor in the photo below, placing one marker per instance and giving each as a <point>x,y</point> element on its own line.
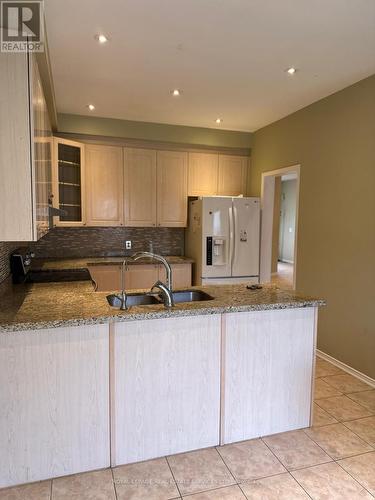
<point>284,276</point>
<point>334,459</point>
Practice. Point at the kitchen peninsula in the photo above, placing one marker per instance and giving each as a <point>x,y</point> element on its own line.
<point>87,386</point>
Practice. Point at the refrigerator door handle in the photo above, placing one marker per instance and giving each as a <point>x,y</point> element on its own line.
<point>231,236</point>
<point>234,236</point>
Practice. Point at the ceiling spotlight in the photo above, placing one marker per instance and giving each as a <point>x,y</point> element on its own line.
<point>218,120</point>
<point>101,38</point>
<point>176,92</point>
<point>91,107</point>
<point>291,71</point>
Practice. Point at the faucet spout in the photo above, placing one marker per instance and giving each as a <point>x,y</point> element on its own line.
<point>165,289</point>
<point>159,258</point>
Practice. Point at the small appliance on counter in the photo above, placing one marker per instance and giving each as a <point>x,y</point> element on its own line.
<point>23,271</point>
<point>20,263</point>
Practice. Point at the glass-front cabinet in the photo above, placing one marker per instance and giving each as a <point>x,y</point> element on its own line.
<point>69,182</point>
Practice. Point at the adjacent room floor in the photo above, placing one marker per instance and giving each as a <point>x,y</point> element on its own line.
<point>335,459</point>
<point>284,276</point>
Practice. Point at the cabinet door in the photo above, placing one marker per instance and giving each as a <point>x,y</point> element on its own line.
<point>140,187</point>
<point>16,176</point>
<point>54,401</point>
<point>141,276</point>
<point>69,182</point>
<point>104,186</point>
<point>203,174</point>
<point>42,154</point>
<point>166,387</point>
<point>268,358</point>
<point>172,188</point>
<point>232,175</point>
<point>107,278</point>
<point>181,275</point>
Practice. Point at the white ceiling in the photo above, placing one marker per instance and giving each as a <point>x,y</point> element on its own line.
<point>228,56</point>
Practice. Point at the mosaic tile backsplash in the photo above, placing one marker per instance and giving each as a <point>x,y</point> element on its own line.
<point>108,241</point>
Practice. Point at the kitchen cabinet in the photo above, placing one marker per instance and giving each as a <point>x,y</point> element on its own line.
<point>104,185</point>
<point>181,275</point>
<point>171,188</point>
<point>140,187</point>
<point>25,150</point>
<point>69,182</point>
<point>141,276</point>
<point>165,387</point>
<point>232,175</point>
<point>54,400</point>
<point>203,174</point>
<point>268,365</point>
<point>108,277</point>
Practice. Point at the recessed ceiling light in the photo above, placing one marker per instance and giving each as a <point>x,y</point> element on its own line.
<point>218,120</point>
<point>291,71</point>
<point>101,38</point>
<point>176,92</point>
<point>91,107</point>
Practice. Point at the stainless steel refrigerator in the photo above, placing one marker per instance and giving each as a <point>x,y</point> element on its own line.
<point>223,239</point>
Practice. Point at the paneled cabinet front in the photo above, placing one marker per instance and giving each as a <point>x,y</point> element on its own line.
<point>54,400</point>
<point>140,187</point>
<point>165,387</point>
<point>172,188</point>
<point>25,150</point>
<point>203,174</point>
<point>104,185</point>
<point>232,175</point>
<point>137,276</point>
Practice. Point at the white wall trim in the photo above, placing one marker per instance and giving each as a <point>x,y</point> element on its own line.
<point>361,376</point>
<point>267,203</point>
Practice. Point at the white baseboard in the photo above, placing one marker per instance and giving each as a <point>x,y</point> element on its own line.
<point>361,376</point>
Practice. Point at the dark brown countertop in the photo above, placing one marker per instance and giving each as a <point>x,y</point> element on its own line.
<point>50,305</point>
<point>83,263</point>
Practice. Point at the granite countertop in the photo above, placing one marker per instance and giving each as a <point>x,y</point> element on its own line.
<point>83,263</point>
<point>50,305</point>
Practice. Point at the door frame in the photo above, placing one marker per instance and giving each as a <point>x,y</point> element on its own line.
<point>267,206</point>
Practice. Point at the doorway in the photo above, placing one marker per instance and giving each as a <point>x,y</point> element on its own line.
<point>279,202</point>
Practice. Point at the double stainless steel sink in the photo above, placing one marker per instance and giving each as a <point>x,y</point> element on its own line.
<point>145,299</point>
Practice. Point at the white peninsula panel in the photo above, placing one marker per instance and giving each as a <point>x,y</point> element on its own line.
<point>267,374</point>
<point>165,386</point>
<point>54,402</point>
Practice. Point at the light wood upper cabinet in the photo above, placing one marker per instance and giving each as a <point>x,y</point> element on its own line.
<point>171,188</point>
<point>232,175</point>
<point>69,182</point>
<point>140,187</point>
<point>203,174</point>
<point>25,150</point>
<point>104,185</point>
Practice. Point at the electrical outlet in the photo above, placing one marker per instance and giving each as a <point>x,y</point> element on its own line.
<point>128,245</point>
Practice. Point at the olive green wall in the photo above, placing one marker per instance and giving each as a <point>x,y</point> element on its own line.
<point>334,142</point>
<point>111,127</point>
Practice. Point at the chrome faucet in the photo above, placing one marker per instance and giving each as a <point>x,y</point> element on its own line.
<point>123,296</point>
<point>166,289</point>
<point>165,293</point>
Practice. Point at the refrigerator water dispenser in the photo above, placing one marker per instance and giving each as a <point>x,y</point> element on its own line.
<point>216,251</point>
